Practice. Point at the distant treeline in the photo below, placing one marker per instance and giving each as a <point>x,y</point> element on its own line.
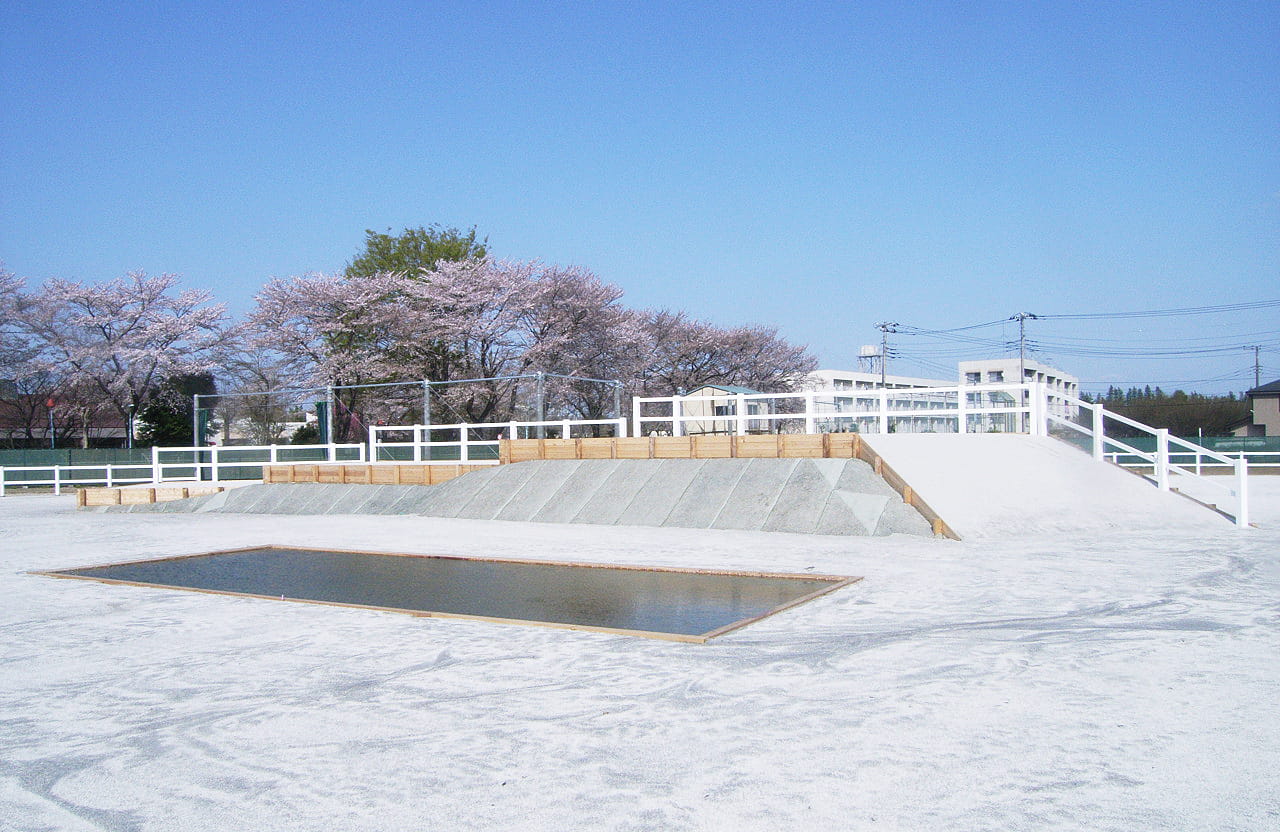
<point>1184,414</point>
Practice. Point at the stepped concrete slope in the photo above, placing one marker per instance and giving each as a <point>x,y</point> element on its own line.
<point>994,485</point>
<point>814,496</point>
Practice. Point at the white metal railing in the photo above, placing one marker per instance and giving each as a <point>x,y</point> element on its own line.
<point>1163,462</point>
<point>215,463</point>
<point>980,408</point>
<point>475,443</point>
<point>1199,461</point>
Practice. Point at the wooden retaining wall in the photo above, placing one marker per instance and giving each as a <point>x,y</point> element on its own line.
<point>133,496</point>
<point>366,474</point>
<point>770,446</point>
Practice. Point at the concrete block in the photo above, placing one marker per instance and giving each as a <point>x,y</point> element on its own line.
<point>866,508</point>
<point>617,491</point>
<point>900,518</point>
<point>505,482</point>
<point>448,498</point>
<point>838,519</point>
<point>574,492</point>
<point>754,494</point>
<point>538,489</point>
<point>802,500</point>
<point>653,503</point>
<point>858,476</point>
<point>706,494</point>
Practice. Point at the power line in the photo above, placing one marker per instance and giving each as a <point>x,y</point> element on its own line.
<point>1156,313</point>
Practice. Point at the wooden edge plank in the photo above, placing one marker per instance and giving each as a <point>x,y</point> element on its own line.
<point>909,495</point>
<point>794,602</point>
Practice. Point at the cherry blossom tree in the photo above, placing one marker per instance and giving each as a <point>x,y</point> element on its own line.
<point>335,332</point>
<point>498,321</point>
<point>115,341</point>
<point>684,354</point>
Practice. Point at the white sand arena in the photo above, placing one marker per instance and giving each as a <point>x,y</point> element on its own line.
<point>1042,674</point>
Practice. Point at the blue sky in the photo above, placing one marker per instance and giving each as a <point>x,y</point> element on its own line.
<point>819,167</point>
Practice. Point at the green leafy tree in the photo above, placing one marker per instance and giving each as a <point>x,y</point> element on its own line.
<point>415,249</point>
<point>1184,414</point>
<point>166,418</point>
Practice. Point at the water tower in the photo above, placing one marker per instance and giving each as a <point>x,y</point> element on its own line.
<point>869,359</point>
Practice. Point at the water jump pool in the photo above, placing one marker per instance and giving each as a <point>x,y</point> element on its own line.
<point>680,604</point>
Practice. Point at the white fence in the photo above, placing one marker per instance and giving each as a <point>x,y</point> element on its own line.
<point>985,408</point>
<point>1090,422</point>
<point>474,443</point>
<point>992,408</point>
<point>212,464</point>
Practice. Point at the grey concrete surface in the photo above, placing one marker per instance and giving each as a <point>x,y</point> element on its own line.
<point>807,496</point>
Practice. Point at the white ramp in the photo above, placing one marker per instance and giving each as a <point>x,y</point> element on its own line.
<point>997,485</point>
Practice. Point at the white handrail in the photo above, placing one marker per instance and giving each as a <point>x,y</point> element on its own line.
<point>945,409</point>
<point>421,443</point>
<point>191,465</point>
<point>1160,460</point>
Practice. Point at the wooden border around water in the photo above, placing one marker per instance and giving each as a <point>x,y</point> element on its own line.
<point>836,582</point>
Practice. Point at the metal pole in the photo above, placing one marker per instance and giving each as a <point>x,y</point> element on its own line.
<point>617,400</point>
<point>426,402</point>
<point>540,403</point>
<point>328,428</point>
<point>52,437</point>
<point>885,328</point>
<point>195,420</point>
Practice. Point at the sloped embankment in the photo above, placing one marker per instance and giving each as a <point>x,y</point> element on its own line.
<point>813,496</point>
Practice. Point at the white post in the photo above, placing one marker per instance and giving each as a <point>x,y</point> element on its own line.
<point>677,410</point>
<point>884,411</point>
<point>57,481</point>
<point>515,430</point>
<point>564,429</point>
<point>157,472</point>
<point>740,409</point>
<point>1242,492</point>
<point>272,456</point>
<point>330,453</point>
<point>1162,459</point>
<point>1,482</point>
<point>809,406</point>
<point>635,416</point>
<point>110,483</point>
<point>417,443</point>
<point>462,443</point>
<point>962,407</point>
<point>622,427</point>
<point>1099,431</point>
<point>214,463</point>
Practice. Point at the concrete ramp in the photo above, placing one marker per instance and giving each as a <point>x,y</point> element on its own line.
<point>993,485</point>
<point>811,496</point>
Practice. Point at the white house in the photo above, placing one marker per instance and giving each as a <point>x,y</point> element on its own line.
<point>712,400</point>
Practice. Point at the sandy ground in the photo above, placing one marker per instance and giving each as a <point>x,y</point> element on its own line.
<point>1084,678</point>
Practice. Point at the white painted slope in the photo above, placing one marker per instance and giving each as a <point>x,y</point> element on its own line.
<point>997,485</point>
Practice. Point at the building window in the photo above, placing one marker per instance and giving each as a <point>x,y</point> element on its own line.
<point>972,378</point>
<point>996,376</point>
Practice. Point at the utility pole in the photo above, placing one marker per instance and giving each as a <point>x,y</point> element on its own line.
<point>1257,364</point>
<point>885,328</point>
<point>1022,318</point>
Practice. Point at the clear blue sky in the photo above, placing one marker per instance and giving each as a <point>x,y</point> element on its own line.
<point>819,167</point>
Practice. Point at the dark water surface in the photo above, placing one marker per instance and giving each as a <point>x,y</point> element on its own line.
<point>681,603</point>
